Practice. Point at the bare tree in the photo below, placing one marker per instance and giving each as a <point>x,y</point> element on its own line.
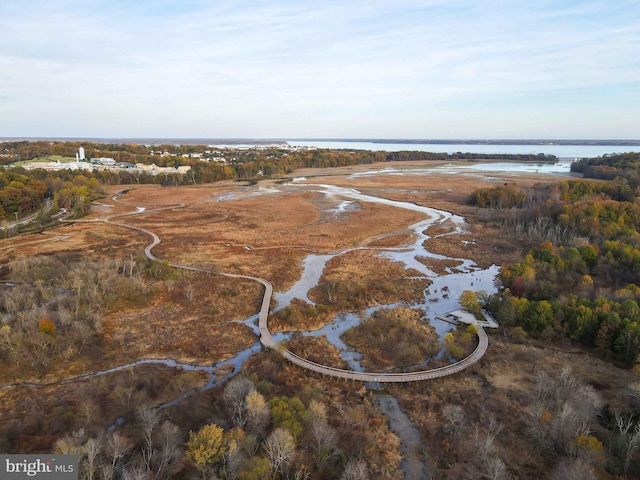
<point>355,470</point>
<point>9,340</point>
<point>169,450</point>
<point>137,472</point>
<point>456,419</point>
<point>190,294</point>
<point>564,408</point>
<point>323,438</point>
<point>70,444</point>
<point>92,449</point>
<point>88,411</point>
<point>302,474</point>
<point>234,395</point>
<point>325,442</point>
<point>251,444</point>
<point>573,469</point>
<point>494,468</point>
<point>317,412</point>
<point>148,419</point>
<point>124,394</point>
<point>116,447</point>
<point>234,460</point>
<point>630,434</point>
<point>107,472</point>
<point>17,298</point>
<point>280,448</point>
<point>131,263</point>
<point>484,439</point>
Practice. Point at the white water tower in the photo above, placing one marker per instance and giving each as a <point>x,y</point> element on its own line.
<point>81,152</point>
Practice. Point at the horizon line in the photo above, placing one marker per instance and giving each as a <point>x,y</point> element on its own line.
<point>425,141</point>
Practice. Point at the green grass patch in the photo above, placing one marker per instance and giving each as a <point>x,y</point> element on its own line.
<point>54,158</point>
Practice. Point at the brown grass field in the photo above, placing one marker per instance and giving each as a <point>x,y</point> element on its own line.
<point>190,317</point>
<point>267,235</point>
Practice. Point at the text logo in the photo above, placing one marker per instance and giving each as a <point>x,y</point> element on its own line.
<point>50,467</point>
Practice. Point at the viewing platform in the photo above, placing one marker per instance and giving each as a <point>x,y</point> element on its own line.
<point>458,317</point>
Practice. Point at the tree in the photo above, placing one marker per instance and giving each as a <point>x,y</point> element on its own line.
<point>323,438</point>
<point>70,444</point>
<point>205,447</point>
<point>91,450</point>
<point>280,448</point>
<point>630,434</point>
<point>469,301</point>
<point>234,458</point>
<point>256,468</point>
<point>563,410</point>
<point>453,350</point>
<point>47,326</point>
<point>355,470</point>
<point>324,441</point>
<point>536,316</point>
<point>456,418</point>
<point>235,394</point>
<point>258,412</point>
<point>494,468</point>
<point>169,450</point>
<point>116,447</point>
<point>148,419</point>
<point>575,469</point>
<point>288,412</point>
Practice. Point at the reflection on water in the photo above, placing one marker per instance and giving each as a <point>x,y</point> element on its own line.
<point>312,268</point>
<point>513,167</point>
<point>461,168</point>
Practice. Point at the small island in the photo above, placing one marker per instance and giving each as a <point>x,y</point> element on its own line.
<point>393,338</point>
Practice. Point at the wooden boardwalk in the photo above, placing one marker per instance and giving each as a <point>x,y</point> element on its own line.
<point>267,340</point>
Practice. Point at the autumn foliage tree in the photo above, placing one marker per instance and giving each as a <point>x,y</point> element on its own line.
<point>47,326</point>
<point>205,447</point>
<point>469,301</point>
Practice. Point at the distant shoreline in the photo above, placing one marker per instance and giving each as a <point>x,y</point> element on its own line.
<point>604,143</point>
<point>281,141</point>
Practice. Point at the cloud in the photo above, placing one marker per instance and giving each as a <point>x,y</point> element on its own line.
<point>208,63</point>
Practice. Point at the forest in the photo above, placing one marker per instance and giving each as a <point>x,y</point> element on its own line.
<point>621,167</point>
<point>23,192</point>
<point>271,422</point>
<point>581,275</point>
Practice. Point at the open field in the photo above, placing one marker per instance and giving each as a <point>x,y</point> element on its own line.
<point>52,158</point>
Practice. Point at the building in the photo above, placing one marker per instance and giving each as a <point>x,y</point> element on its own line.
<point>104,161</point>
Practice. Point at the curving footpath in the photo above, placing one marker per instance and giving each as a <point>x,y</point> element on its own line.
<point>267,340</point>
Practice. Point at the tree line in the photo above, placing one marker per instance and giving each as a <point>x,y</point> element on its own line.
<point>581,275</point>
<point>23,192</point>
<point>623,167</point>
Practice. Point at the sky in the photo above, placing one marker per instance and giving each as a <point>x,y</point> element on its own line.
<point>447,69</point>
